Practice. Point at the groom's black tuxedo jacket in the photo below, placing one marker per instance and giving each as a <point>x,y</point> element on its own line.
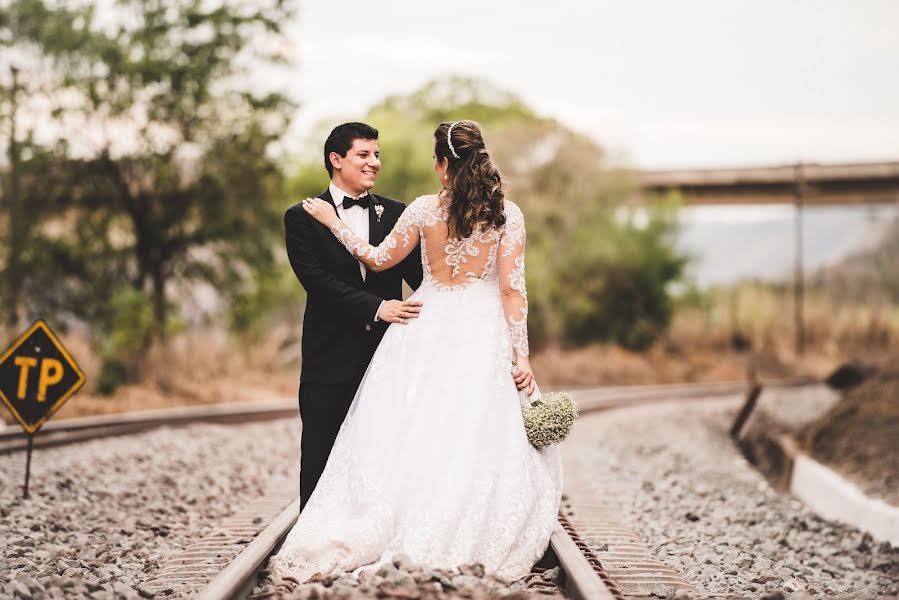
<point>340,334</point>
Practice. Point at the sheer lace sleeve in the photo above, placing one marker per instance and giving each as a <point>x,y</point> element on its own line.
<point>511,278</point>
<point>396,246</point>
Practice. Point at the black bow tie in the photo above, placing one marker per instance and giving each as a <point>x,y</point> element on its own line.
<point>362,201</point>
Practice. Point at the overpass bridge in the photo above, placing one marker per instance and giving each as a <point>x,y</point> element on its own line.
<point>801,183</point>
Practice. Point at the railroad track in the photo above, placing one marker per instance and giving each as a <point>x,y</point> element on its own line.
<point>71,431</point>
<point>598,556</point>
<point>582,577</point>
<point>81,429</point>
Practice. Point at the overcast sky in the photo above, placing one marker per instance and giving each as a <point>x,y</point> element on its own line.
<point>660,83</point>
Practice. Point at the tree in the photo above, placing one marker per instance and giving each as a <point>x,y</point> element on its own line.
<point>623,269</point>
<point>32,181</point>
<point>174,177</point>
<point>19,222</point>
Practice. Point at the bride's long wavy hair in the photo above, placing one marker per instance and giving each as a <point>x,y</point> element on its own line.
<point>476,189</point>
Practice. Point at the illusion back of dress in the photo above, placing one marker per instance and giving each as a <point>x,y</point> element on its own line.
<point>492,255</point>
<point>451,262</point>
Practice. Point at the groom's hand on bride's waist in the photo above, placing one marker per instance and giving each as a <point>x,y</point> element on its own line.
<point>399,311</point>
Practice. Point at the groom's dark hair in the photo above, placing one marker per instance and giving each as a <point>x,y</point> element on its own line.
<point>342,138</point>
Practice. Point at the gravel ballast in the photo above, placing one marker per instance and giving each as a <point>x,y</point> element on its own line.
<point>403,578</point>
<point>673,475</point>
<point>104,514</point>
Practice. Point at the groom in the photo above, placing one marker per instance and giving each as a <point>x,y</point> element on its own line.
<point>347,308</point>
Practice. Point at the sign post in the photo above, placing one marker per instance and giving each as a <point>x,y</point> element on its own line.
<point>28,463</point>
<point>37,375</point>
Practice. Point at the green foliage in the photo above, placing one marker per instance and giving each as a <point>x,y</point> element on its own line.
<point>181,190</point>
<point>127,331</point>
<point>305,180</point>
<point>624,270</point>
<point>24,191</point>
<point>127,334</point>
<point>274,296</point>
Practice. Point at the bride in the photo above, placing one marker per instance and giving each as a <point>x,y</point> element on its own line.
<point>432,460</point>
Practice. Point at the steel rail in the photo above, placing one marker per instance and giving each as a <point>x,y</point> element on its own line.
<point>238,578</point>
<point>605,398</point>
<point>581,580</point>
<point>70,431</point>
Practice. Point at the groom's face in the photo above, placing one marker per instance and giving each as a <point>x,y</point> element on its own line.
<point>358,170</point>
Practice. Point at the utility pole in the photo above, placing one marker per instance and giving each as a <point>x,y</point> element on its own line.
<point>799,191</point>
<point>14,276</point>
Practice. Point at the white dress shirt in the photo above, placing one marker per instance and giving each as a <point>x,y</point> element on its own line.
<point>356,218</point>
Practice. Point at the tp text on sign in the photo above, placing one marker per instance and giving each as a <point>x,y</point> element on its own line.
<point>37,375</point>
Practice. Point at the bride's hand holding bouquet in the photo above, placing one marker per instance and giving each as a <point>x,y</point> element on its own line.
<point>547,419</point>
<point>524,376</point>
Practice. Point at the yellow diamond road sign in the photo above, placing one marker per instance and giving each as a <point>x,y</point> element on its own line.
<point>37,375</point>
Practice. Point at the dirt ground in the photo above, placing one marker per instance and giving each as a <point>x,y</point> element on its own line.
<point>859,436</point>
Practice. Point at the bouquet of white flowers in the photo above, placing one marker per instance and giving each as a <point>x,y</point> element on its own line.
<point>547,419</point>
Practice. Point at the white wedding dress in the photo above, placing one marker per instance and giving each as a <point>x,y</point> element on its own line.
<point>432,460</point>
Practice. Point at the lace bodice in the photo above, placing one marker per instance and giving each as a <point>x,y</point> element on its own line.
<point>493,256</point>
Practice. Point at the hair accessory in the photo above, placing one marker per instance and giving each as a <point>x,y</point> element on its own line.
<point>449,141</point>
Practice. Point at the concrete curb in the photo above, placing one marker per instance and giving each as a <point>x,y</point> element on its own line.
<point>830,495</point>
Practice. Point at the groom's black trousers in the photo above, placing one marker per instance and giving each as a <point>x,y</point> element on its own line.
<point>323,407</point>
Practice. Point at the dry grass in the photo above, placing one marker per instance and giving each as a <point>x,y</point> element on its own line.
<point>834,330</point>
<point>189,370</point>
<point>699,345</point>
<point>765,314</point>
<point>610,365</point>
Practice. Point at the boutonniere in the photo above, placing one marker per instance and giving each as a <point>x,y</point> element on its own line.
<point>379,210</point>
